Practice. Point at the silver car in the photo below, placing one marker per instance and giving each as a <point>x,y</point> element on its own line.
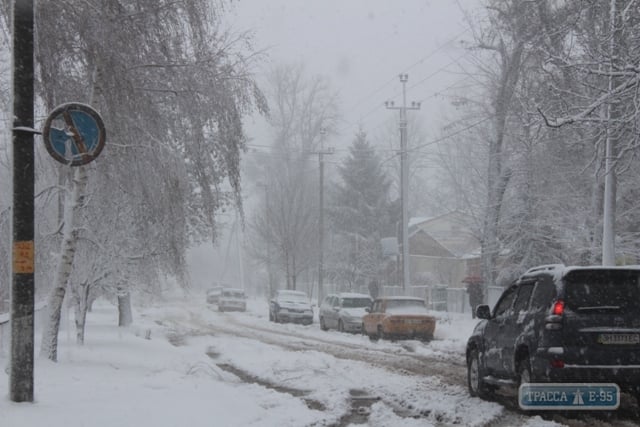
<point>232,300</point>
<point>290,306</point>
<point>344,311</point>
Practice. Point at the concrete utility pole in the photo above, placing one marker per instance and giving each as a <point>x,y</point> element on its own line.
<point>268,220</point>
<point>22,284</point>
<point>404,176</point>
<point>610,178</point>
<point>239,243</point>
<point>321,154</point>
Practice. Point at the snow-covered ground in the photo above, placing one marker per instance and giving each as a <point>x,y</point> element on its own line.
<point>188,375</point>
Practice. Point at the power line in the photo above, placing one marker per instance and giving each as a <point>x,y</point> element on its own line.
<point>385,150</point>
<point>451,135</point>
<point>405,70</point>
<point>432,95</point>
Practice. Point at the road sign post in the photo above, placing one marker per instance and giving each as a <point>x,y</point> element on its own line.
<point>73,134</point>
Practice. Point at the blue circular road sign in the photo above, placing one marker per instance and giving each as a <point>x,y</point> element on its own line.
<point>74,134</point>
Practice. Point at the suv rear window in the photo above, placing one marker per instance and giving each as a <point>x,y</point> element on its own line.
<point>602,290</point>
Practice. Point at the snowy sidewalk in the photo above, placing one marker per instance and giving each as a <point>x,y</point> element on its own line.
<point>119,378</point>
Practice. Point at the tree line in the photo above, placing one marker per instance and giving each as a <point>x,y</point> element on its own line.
<point>547,121</point>
<point>541,151</point>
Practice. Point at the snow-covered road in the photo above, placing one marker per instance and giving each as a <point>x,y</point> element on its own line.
<point>349,377</point>
<point>352,379</point>
<point>182,363</point>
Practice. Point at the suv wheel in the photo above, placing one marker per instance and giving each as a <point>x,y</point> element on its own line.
<point>477,387</point>
<point>323,326</point>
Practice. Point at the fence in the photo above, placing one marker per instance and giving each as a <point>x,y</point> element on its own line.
<point>442,297</point>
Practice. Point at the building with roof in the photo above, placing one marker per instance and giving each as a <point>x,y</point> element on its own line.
<point>444,250</point>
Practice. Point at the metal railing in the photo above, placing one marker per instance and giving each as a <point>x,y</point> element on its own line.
<point>443,297</point>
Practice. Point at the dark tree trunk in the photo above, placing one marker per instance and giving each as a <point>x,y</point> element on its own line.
<point>125,316</point>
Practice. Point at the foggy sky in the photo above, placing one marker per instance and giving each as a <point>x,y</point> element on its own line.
<point>362,46</point>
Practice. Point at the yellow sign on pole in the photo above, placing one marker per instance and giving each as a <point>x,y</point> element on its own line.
<point>23,257</point>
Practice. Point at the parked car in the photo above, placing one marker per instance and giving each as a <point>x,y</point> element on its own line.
<point>344,311</point>
<point>559,324</point>
<point>232,300</point>
<point>399,317</point>
<point>290,306</point>
<point>213,294</point>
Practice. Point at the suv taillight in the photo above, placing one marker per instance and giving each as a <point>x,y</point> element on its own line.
<point>554,320</point>
<point>558,308</point>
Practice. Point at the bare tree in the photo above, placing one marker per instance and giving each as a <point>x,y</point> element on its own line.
<point>299,108</point>
<point>602,99</point>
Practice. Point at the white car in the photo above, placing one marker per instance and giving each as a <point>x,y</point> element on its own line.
<point>232,300</point>
<point>213,294</point>
<point>344,311</point>
<point>290,306</point>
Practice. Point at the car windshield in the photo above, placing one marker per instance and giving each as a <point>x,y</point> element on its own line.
<point>406,306</point>
<point>356,302</point>
<point>293,297</point>
<point>233,294</point>
<point>602,290</point>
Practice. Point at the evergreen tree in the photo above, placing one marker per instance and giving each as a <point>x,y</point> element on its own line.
<point>360,213</point>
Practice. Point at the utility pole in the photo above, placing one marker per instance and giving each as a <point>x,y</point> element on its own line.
<point>321,154</point>
<point>239,243</point>
<point>22,271</point>
<point>267,213</point>
<point>610,178</point>
<point>404,176</point>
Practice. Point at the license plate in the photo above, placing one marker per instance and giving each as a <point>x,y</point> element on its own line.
<point>414,321</point>
<point>619,339</point>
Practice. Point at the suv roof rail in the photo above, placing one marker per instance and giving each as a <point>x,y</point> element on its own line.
<point>543,268</point>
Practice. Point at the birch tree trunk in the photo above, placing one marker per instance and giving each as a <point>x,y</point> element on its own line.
<point>49,347</point>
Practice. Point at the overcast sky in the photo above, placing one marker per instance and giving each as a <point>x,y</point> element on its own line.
<point>362,46</point>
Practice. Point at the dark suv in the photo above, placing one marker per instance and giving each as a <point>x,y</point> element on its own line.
<point>560,324</point>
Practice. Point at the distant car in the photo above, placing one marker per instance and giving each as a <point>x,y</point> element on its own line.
<point>559,324</point>
<point>290,306</point>
<point>344,311</point>
<point>213,294</point>
<point>399,317</point>
<point>232,300</point>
